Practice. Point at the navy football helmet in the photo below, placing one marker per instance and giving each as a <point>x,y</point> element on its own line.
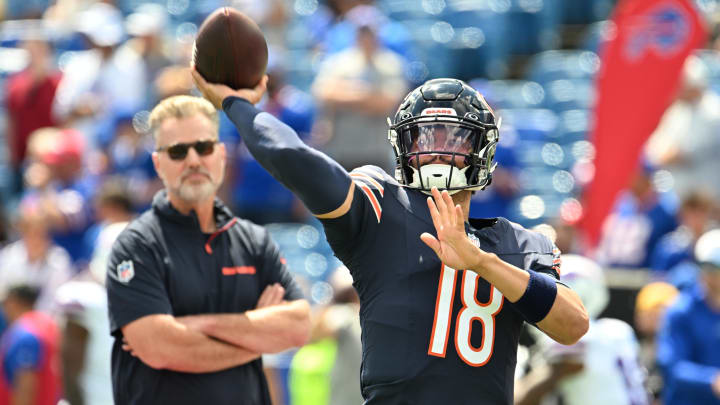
<point>444,135</point>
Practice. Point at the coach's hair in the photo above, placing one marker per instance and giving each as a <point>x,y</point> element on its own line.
<point>181,107</point>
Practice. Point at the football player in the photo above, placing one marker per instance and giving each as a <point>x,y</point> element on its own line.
<point>440,313</point>
<point>602,368</point>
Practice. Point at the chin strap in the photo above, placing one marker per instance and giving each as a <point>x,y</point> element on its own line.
<point>437,175</point>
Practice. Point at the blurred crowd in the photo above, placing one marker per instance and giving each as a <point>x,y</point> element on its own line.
<point>78,78</point>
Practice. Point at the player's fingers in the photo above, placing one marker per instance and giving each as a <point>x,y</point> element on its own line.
<point>434,214</point>
<point>431,241</point>
<point>198,79</point>
<point>442,209</point>
<point>459,217</point>
<point>447,200</point>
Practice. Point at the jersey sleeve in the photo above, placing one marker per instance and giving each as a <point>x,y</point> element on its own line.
<point>134,282</point>
<point>347,233</point>
<point>275,266</point>
<point>548,261</point>
<point>25,353</point>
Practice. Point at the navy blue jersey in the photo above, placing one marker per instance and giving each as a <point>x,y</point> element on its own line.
<point>431,334</point>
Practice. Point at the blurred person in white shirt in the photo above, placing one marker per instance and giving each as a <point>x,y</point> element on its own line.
<point>602,368</point>
<point>34,260</point>
<point>102,80</point>
<point>86,343</point>
<point>686,141</point>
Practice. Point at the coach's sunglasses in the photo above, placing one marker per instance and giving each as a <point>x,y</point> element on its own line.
<point>179,151</point>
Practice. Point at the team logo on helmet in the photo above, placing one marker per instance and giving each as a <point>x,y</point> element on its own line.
<point>439,111</point>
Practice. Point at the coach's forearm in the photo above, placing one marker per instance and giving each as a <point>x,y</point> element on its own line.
<point>265,330</point>
<point>567,320</point>
<point>162,342</point>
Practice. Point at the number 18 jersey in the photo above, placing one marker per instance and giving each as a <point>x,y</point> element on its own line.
<point>430,334</point>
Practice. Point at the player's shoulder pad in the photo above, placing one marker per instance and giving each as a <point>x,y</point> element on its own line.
<point>371,181</point>
<point>529,241</point>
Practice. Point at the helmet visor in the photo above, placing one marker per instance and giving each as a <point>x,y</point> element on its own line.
<point>438,138</point>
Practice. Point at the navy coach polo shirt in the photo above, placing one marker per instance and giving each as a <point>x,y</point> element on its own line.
<point>162,263</point>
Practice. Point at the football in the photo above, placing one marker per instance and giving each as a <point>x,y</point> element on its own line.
<point>230,49</point>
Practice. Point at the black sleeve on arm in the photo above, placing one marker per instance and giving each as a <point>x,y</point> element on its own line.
<point>320,182</point>
<point>134,282</point>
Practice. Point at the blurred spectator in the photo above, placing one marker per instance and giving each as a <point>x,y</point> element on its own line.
<point>113,204</point>
<point>326,371</point>
<point>686,141</point>
<point>256,195</point>
<point>338,27</point>
<point>650,305</point>
<point>602,368</point>
<point>146,27</point>
<point>23,9</point>
<point>270,15</point>
<point>86,342</point>
<point>171,81</point>
<point>341,321</point>
<point>677,247</point>
<point>130,156</point>
<point>34,259</point>
<point>688,344</point>
<point>496,201</point>
<point>30,96</point>
<point>355,89</point>
<point>56,179</point>
<point>100,81</point>
<point>641,216</point>
<point>28,352</point>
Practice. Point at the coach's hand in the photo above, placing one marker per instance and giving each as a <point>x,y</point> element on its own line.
<point>452,244</point>
<point>216,93</point>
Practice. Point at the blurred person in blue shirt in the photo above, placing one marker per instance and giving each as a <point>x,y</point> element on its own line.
<point>257,195</point>
<point>57,178</point>
<point>688,345</point>
<point>129,155</point>
<point>676,247</point>
<point>641,216</point>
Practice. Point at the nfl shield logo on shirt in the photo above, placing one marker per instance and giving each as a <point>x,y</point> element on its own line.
<point>125,271</point>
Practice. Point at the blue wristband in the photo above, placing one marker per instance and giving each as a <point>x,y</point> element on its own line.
<point>538,299</point>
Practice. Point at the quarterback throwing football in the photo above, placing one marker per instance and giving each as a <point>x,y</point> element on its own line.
<point>443,296</point>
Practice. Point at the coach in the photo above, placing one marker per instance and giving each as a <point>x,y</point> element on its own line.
<point>195,294</point>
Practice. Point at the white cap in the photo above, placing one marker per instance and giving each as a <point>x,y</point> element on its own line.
<point>695,72</point>
<point>707,248</point>
<point>148,19</point>
<point>586,278</point>
<point>102,23</point>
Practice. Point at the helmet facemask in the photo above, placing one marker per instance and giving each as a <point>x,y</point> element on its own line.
<point>445,152</point>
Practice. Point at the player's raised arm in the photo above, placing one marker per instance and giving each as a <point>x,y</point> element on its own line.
<point>321,183</point>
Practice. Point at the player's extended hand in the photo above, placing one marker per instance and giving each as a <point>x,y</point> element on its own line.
<point>452,244</point>
<point>216,93</point>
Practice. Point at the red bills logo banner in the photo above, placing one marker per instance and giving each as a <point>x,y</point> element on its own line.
<point>638,79</point>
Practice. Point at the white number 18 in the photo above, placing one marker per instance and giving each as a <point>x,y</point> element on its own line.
<point>472,310</point>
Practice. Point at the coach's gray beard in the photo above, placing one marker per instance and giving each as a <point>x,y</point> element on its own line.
<point>193,193</point>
